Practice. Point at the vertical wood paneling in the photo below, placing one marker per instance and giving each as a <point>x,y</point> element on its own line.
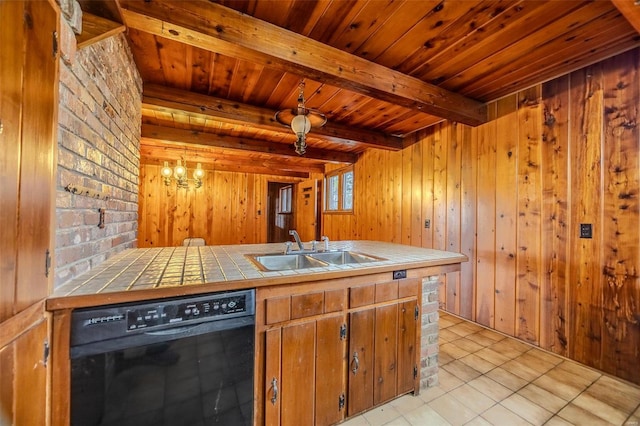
<point>427,186</point>
<point>620,250</point>
<point>529,208</point>
<point>408,186</point>
<point>416,219</point>
<point>506,213</point>
<point>468,224</point>
<point>454,161</point>
<point>586,192</point>
<point>440,152</point>
<point>486,211</point>
<point>229,208</point>
<point>550,158</point>
<point>555,219</point>
<point>439,223</point>
<point>395,224</point>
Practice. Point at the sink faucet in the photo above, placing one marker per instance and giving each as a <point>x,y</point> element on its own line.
<point>297,238</point>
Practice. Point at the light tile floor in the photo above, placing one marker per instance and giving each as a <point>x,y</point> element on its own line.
<point>486,378</point>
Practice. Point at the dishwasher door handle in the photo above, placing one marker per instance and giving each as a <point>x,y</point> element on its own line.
<point>171,331</point>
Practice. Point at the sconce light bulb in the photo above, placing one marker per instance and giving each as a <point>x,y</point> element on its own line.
<point>166,170</point>
<point>180,170</point>
<point>198,173</point>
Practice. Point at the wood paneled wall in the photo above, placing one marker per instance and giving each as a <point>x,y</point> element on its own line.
<point>512,194</point>
<point>229,208</point>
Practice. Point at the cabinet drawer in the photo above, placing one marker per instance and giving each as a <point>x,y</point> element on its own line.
<point>277,309</point>
<point>386,291</point>
<point>296,306</point>
<point>334,301</point>
<point>362,296</point>
<point>409,287</point>
<point>306,305</point>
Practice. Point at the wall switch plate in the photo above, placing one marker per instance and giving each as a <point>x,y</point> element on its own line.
<point>586,230</point>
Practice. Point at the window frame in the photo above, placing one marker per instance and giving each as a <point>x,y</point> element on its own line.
<point>341,193</point>
<point>285,200</point>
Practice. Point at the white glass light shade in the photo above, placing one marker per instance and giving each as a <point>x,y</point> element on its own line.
<point>300,124</point>
<point>166,170</point>
<point>180,171</point>
<point>198,173</point>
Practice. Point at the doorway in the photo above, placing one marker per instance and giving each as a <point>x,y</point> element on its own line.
<point>293,206</point>
<point>280,214</point>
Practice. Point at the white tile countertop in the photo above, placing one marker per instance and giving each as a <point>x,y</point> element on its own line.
<point>172,271</point>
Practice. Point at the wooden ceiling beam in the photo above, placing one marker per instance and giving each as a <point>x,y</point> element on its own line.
<point>169,100</point>
<point>630,9</point>
<point>228,166</point>
<point>186,136</point>
<point>225,31</point>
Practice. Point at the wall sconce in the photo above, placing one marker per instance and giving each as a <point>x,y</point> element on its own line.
<point>301,120</point>
<point>179,173</point>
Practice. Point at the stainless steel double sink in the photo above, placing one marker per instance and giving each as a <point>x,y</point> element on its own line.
<point>281,262</point>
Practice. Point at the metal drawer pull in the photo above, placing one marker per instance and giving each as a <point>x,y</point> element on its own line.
<point>355,363</point>
<point>274,385</point>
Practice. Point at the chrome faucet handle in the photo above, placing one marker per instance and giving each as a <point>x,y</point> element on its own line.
<point>314,245</point>
<point>326,242</point>
<point>287,247</point>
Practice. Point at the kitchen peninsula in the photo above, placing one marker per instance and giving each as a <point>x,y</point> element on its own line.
<point>395,288</point>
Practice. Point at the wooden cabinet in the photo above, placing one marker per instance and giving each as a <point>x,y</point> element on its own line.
<point>382,343</point>
<point>28,119</point>
<point>305,373</point>
<point>332,350</point>
<point>23,388</point>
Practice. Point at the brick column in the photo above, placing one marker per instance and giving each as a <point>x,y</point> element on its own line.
<point>429,343</point>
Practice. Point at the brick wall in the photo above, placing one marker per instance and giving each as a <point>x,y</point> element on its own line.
<point>429,343</point>
<point>98,150</point>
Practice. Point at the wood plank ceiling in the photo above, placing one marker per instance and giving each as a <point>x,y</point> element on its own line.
<point>215,72</point>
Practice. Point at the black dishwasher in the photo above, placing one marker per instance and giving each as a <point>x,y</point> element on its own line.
<point>179,361</point>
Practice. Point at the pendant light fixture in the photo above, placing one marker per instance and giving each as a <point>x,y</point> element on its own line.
<point>301,120</point>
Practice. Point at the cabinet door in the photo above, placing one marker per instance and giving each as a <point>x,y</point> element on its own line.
<point>28,103</point>
<point>407,346</point>
<point>298,374</point>
<point>305,373</point>
<point>382,354</point>
<point>360,372</point>
<point>330,371</point>
<point>23,390</point>
<point>273,355</point>
<point>385,353</point>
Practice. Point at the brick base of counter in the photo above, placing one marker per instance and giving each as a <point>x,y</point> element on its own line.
<point>429,342</point>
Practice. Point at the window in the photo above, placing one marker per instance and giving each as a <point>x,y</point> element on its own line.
<point>284,204</point>
<point>339,191</point>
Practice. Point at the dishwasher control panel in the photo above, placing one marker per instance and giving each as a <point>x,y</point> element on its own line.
<point>115,321</point>
<point>178,312</point>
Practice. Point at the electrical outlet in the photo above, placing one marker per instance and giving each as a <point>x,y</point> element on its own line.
<point>586,230</point>
<point>398,275</point>
<point>427,223</point>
